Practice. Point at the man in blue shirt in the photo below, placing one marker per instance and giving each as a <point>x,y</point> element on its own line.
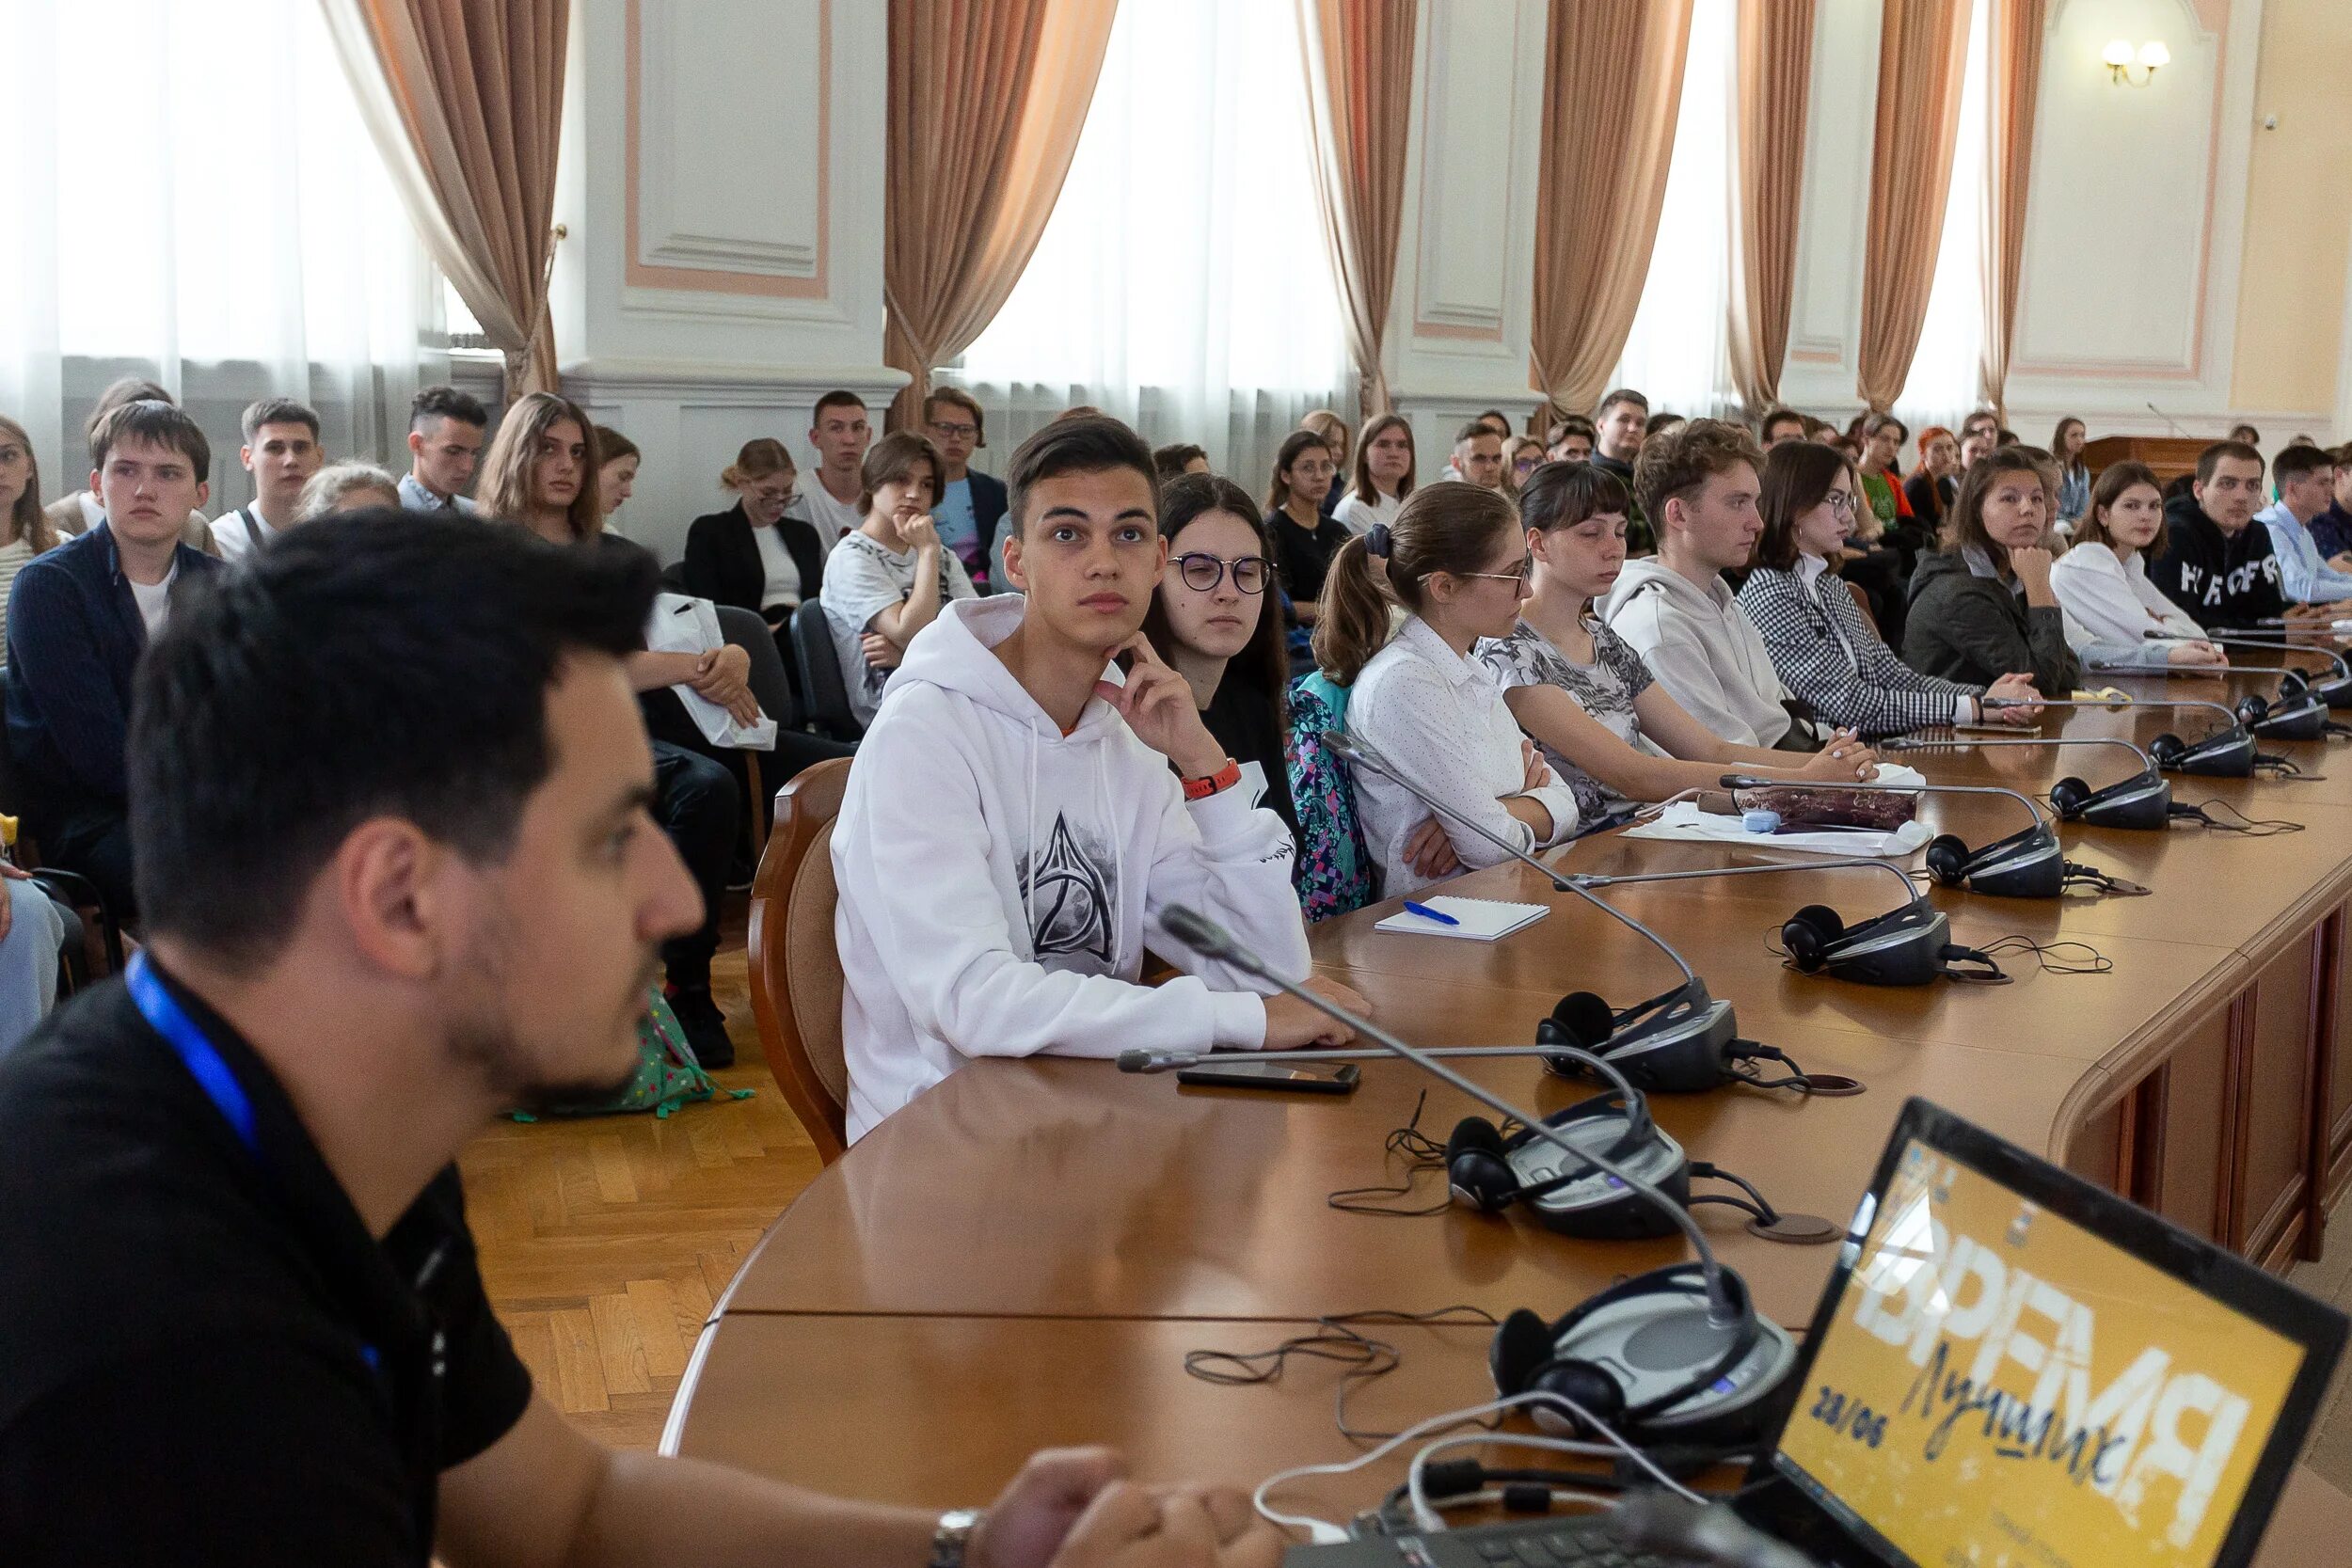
<point>971,506</point>
<point>79,618</point>
<point>2306,481</point>
<point>2331,531</point>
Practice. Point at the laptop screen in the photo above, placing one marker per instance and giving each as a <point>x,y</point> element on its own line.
<point>1992,1383</point>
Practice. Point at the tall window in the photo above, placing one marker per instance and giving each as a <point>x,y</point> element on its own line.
<point>1947,374</point>
<point>193,197</point>
<point>1679,350</point>
<point>1184,281</point>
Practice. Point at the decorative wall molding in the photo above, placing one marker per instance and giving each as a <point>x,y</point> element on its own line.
<point>687,211</point>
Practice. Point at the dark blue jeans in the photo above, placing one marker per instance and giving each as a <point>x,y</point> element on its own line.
<point>698,805</point>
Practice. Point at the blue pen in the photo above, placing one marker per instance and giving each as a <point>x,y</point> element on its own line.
<point>1428,913</point>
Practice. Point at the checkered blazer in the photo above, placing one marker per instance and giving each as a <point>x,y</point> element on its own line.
<point>1829,656</point>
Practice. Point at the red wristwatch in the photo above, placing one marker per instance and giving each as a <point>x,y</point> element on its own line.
<point>1223,778</point>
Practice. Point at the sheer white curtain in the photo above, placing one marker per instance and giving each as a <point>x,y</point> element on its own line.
<point>194,199</point>
<point>1182,283</point>
<point>1680,349</point>
<point>1947,375</point>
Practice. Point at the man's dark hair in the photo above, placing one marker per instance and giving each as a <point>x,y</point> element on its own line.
<point>1618,395</point>
<point>447,403</point>
<point>122,389</point>
<point>161,424</point>
<point>2245,433</point>
<point>2211,457</point>
<point>837,398</point>
<point>1089,444</point>
<point>1473,431</point>
<point>1779,414</point>
<point>1168,461</point>
<point>277,411</point>
<point>373,663</point>
<point>1679,462</point>
<point>2298,463</point>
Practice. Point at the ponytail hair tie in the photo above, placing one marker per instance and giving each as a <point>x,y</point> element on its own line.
<point>1376,541</point>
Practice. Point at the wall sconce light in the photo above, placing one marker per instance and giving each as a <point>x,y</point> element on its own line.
<point>2120,58</point>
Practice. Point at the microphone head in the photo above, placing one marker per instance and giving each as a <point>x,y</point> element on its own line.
<point>1197,931</point>
<point>1337,743</point>
<point>1135,1061</point>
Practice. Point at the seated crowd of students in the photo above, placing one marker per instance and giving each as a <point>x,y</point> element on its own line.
<point>1559,626</point>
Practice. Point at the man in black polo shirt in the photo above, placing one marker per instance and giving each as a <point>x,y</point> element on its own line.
<point>389,798</point>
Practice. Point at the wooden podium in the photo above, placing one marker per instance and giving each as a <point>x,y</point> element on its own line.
<point>2171,456</point>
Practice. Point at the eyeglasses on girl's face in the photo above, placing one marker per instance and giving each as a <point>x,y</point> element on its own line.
<point>1518,576</point>
<point>1201,572</point>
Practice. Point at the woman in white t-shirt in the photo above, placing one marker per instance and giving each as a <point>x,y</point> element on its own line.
<point>24,532</point>
<point>1584,693</point>
<point>2117,619</point>
<point>889,580</point>
<point>1384,474</point>
<point>1456,561</point>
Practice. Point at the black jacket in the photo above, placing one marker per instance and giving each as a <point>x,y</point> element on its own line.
<point>722,559</point>
<point>2220,581</point>
<point>1965,627</point>
<point>988,518</point>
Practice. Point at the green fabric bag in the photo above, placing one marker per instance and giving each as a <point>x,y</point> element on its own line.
<point>667,1074</point>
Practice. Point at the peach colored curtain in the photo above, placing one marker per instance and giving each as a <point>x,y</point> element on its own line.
<point>987,97</point>
<point>1776,79</point>
<point>1923,54</point>
<point>465,99</point>
<point>1359,57</point>
<point>1612,84</point>
<point>2018,28</point>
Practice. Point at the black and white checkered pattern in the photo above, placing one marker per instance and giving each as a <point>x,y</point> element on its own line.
<point>1828,655</point>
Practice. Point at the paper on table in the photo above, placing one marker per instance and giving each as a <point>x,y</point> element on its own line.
<point>1482,919</point>
<point>1683,819</point>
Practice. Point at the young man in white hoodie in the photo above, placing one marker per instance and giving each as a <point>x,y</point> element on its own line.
<point>1698,485</point>
<point>1019,813</point>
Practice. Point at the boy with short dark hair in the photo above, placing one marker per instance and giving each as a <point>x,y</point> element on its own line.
<point>1621,425</point>
<point>1012,825</point>
<point>831,498</point>
<point>970,507</point>
<point>446,428</point>
<point>79,617</point>
<point>281,451</point>
<point>2215,563</point>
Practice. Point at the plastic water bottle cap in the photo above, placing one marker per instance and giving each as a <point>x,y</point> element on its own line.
<point>1759,821</point>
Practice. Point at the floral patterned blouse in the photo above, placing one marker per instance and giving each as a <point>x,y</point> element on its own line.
<point>1604,689</point>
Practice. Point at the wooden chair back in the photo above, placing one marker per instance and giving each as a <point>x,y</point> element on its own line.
<point>794,968</point>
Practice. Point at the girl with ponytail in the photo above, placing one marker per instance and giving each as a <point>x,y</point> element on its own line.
<point>1454,561</point>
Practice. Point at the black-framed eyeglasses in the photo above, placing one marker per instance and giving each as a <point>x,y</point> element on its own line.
<point>955,431</point>
<point>1201,572</point>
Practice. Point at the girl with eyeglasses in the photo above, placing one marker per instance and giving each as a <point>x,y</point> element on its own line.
<point>1825,648</point>
<point>1217,620</point>
<point>1456,561</point>
<point>1584,695</point>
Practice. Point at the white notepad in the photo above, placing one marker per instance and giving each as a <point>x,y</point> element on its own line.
<point>1482,919</point>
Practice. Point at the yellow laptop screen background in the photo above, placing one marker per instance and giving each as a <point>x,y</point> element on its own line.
<point>1999,1387</point>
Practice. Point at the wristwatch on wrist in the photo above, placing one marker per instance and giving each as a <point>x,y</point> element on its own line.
<point>953,1537</point>
<point>1223,778</point>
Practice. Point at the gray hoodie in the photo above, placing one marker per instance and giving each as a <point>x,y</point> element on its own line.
<point>1703,649</point>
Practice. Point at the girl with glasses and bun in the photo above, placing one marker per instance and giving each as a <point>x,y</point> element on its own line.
<point>1456,561</point>
<point>1216,620</point>
<point>1822,645</point>
<point>1582,692</point>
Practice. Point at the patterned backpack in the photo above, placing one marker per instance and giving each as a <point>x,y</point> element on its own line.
<point>668,1076</point>
<point>1335,873</point>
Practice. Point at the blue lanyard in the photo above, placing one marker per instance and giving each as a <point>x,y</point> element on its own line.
<point>202,1059</point>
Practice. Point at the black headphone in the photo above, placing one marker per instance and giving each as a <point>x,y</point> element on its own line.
<point>2297,716</point>
<point>2142,801</point>
<point>1902,947</point>
<point>2025,864</point>
<point>2225,755</point>
<point>1478,1171</point>
<point>1679,1041</point>
<point>1525,1359</point>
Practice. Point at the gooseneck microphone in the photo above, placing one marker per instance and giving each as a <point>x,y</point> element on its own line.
<point>1702,1361</point>
<point>1169,1060</point>
<point>2142,801</point>
<point>2227,752</point>
<point>1680,1041</point>
<point>1908,945</point>
<point>2335,690</point>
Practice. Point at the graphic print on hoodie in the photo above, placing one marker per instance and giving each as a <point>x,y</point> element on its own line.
<point>1073,889</point>
<point>999,880</point>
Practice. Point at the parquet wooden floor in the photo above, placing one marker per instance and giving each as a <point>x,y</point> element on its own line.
<point>604,1241</point>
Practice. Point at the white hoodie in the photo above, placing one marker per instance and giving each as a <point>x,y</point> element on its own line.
<point>958,942</point>
<point>1703,649</point>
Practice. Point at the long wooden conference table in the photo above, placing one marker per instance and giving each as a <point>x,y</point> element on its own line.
<point>1024,1256</point>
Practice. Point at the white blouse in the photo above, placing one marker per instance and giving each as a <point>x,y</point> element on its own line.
<point>1440,720</point>
<point>2112,605</point>
<point>782,574</point>
<point>1358,518</point>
